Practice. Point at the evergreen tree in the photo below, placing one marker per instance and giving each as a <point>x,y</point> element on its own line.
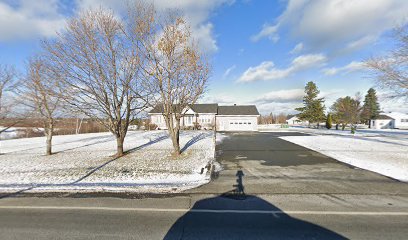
<point>371,107</point>
<point>329,121</point>
<point>313,109</point>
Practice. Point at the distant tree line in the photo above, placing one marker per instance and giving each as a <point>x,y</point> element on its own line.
<point>273,118</point>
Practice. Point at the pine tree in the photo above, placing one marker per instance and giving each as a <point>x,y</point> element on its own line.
<point>371,107</point>
<point>329,121</point>
<point>313,110</point>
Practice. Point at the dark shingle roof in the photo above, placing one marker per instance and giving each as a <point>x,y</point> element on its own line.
<point>198,108</point>
<point>205,108</point>
<point>384,117</point>
<point>238,110</point>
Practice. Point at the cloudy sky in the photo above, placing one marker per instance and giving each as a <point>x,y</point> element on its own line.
<point>263,52</point>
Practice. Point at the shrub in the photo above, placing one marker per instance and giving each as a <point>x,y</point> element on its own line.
<point>329,121</point>
<point>152,126</point>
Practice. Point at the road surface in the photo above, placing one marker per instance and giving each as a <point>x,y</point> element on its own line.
<point>269,189</point>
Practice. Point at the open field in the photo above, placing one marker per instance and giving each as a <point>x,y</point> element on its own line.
<point>85,162</point>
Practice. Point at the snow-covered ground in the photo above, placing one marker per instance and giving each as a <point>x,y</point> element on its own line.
<point>85,162</point>
<point>381,151</point>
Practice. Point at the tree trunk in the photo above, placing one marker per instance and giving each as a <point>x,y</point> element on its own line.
<point>175,138</point>
<point>369,123</point>
<point>48,150</point>
<point>343,126</point>
<point>119,146</point>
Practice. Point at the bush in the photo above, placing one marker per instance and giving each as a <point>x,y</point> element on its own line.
<point>197,126</point>
<point>329,121</point>
<point>152,126</point>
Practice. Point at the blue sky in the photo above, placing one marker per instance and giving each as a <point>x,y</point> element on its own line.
<point>262,52</point>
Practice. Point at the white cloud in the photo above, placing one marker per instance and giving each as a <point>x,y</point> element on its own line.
<point>297,49</point>
<point>287,95</point>
<point>278,107</point>
<point>351,67</point>
<point>268,71</point>
<point>30,19</point>
<point>337,23</point>
<point>221,99</point>
<point>267,31</point>
<point>228,71</point>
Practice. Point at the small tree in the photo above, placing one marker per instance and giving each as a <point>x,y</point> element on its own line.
<point>39,94</point>
<point>347,111</point>
<point>371,107</point>
<point>313,109</point>
<point>176,69</point>
<point>329,121</point>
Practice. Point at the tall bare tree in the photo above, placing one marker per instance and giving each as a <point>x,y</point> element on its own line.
<point>175,68</point>
<point>391,70</point>
<point>38,93</point>
<point>98,58</point>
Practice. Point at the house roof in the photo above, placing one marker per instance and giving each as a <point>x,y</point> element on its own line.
<point>205,108</point>
<point>384,117</point>
<point>396,115</point>
<point>198,108</point>
<point>238,110</point>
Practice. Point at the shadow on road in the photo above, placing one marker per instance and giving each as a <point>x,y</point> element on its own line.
<point>235,215</point>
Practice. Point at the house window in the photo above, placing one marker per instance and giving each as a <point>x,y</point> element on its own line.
<point>189,120</point>
<point>404,120</point>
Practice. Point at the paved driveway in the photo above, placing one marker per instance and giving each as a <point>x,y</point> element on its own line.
<point>271,165</point>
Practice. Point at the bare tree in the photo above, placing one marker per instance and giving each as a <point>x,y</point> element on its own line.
<point>391,70</point>
<point>38,93</point>
<point>98,58</point>
<point>175,68</point>
<point>8,80</point>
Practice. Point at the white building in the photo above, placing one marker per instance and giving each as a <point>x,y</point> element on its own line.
<point>293,120</point>
<point>390,121</point>
<point>296,121</point>
<point>225,118</point>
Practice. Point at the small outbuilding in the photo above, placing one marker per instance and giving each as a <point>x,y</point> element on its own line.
<point>390,121</point>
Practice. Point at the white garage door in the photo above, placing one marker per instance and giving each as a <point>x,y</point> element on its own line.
<point>240,125</point>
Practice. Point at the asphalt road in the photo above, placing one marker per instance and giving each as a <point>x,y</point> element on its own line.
<point>269,189</point>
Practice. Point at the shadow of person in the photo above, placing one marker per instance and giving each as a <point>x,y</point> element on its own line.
<point>234,215</point>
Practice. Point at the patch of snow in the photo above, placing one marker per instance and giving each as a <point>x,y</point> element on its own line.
<point>220,137</point>
<point>85,162</point>
<point>382,154</point>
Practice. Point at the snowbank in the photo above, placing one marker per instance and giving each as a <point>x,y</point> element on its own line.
<point>382,154</point>
<point>85,162</point>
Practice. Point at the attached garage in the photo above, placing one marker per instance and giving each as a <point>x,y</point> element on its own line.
<point>237,118</point>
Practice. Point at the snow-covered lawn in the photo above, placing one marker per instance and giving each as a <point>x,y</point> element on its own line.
<point>85,162</point>
<point>381,151</point>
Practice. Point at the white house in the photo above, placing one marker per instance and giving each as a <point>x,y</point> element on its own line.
<point>293,120</point>
<point>224,118</point>
<point>296,121</point>
<point>390,121</point>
